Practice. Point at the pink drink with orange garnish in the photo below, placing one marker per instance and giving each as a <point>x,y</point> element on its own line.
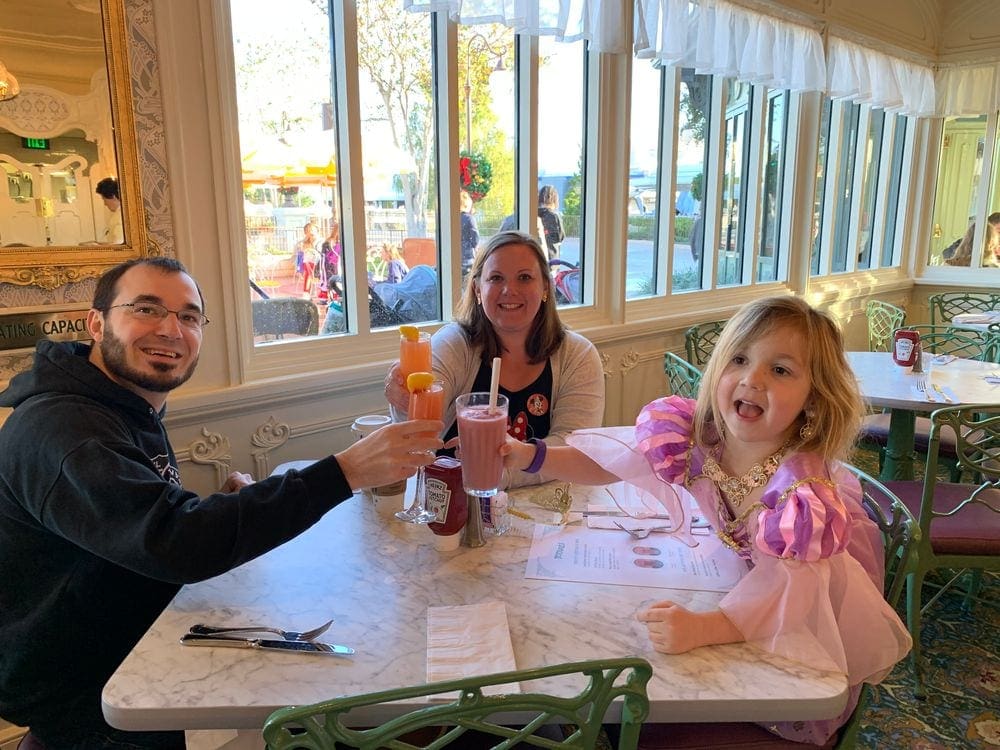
<point>427,403</point>
<point>414,354</point>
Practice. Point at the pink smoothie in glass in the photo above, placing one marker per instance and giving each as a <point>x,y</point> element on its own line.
<point>481,435</point>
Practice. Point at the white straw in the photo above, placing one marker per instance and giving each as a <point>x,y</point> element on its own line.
<point>494,385</point>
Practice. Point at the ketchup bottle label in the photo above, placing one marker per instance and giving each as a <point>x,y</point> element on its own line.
<point>438,498</point>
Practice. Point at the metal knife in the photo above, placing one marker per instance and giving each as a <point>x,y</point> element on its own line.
<point>303,647</point>
<point>618,514</point>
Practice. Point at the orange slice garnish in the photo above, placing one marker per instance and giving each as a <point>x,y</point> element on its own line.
<point>419,381</point>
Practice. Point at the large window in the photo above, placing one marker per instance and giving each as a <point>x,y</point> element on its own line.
<point>399,263</point>
<point>561,162</point>
<point>859,185</point>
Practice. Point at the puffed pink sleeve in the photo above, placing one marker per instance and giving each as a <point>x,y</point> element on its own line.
<point>810,595</point>
<point>652,457</point>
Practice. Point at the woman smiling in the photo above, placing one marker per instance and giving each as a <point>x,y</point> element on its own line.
<point>552,376</point>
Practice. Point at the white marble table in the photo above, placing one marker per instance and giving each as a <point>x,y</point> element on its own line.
<point>885,384</point>
<point>377,577</point>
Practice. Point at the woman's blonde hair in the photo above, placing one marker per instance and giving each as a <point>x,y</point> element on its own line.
<point>834,402</point>
<point>547,331</point>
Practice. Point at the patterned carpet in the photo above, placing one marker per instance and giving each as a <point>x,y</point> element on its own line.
<point>962,680</point>
<point>962,709</point>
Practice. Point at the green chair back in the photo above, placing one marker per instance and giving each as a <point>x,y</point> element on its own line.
<point>883,319</point>
<point>900,535</point>
<point>959,342</point>
<point>683,378</point>
<point>699,341</point>
<point>945,306</point>
<point>993,329</point>
<point>959,523</point>
<point>322,726</point>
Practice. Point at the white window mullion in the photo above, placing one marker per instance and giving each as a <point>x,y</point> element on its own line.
<point>833,146</point>
<point>882,190</point>
<point>715,143</point>
<point>348,123</point>
<point>754,156</point>
<point>667,177</point>
<point>857,189</point>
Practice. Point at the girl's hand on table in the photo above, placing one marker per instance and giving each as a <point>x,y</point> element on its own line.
<point>674,629</point>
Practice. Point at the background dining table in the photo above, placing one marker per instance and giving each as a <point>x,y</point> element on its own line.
<point>885,384</point>
<point>376,577</point>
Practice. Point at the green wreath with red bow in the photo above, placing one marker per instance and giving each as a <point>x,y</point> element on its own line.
<point>475,174</point>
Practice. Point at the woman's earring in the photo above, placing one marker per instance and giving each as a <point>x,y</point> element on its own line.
<point>808,429</point>
<point>479,301</point>
<point>545,298</point>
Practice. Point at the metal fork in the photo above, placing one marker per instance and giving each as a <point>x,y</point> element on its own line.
<point>288,635</point>
<point>922,384</point>
<point>642,533</point>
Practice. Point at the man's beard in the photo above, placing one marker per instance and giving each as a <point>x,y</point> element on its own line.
<point>113,354</point>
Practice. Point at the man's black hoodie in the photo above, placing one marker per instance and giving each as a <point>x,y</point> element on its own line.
<point>97,535</point>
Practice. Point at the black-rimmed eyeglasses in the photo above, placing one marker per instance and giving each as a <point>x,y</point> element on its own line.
<point>150,312</point>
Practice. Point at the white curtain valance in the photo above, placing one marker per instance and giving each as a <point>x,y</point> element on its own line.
<point>717,37</point>
<point>597,21</point>
<point>968,89</point>
<point>863,75</point>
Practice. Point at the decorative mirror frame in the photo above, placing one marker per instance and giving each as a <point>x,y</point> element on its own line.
<point>56,265</point>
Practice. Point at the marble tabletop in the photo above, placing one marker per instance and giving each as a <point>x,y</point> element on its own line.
<point>884,383</point>
<point>376,577</point>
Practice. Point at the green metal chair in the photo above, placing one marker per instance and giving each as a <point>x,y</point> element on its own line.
<point>946,305</point>
<point>322,727</point>
<point>683,378</point>
<point>993,329</point>
<point>883,319</point>
<point>699,341</point>
<point>959,523</point>
<point>900,534</point>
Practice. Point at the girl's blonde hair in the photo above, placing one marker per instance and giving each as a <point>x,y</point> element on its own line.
<point>834,401</point>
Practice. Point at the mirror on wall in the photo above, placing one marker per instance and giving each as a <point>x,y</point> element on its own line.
<point>69,191</point>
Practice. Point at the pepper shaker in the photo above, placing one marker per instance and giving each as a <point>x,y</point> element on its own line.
<point>473,535</point>
<point>918,359</point>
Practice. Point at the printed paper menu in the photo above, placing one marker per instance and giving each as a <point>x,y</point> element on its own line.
<point>571,553</point>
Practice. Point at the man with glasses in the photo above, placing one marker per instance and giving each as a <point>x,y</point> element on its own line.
<point>96,533</point>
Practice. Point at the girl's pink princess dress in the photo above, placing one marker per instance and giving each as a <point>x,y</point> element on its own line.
<point>814,590</point>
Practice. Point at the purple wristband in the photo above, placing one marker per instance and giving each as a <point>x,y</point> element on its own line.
<point>536,463</point>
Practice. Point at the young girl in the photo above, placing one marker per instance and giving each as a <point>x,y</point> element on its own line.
<point>759,451</point>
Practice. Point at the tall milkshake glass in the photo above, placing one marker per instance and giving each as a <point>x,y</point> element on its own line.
<point>481,432</point>
<point>426,402</point>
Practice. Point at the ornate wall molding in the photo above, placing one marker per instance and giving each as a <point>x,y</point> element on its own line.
<point>268,436</point>
<point>213,450</point>
<point>628,361</point>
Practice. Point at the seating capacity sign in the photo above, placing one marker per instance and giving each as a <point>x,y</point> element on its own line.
<point>23,331</point>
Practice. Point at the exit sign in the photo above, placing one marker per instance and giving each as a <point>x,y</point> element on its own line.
<point>41,143</point>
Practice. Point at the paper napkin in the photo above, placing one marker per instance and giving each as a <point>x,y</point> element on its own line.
<point>469,640</point>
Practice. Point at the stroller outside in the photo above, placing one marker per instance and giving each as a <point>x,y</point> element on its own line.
<point>566,280</point>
